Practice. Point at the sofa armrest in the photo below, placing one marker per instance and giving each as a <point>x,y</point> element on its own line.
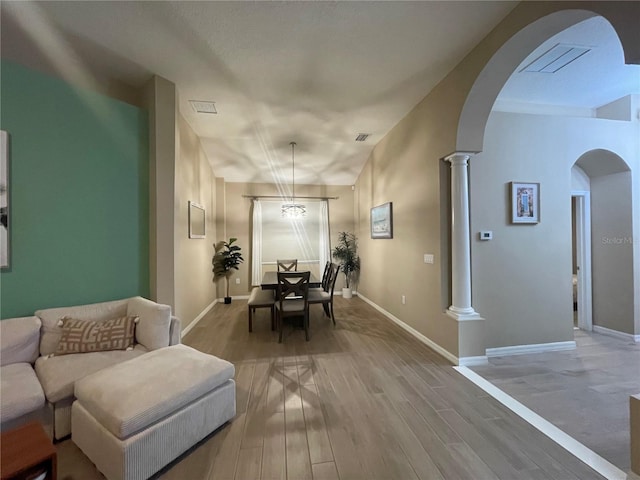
<point>19,340</point>
<point>175,331</point>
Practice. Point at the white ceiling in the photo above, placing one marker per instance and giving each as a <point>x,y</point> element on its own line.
<point>317,73</point>
<point>592,80</point>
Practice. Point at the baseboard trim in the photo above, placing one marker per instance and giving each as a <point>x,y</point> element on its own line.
<point>530,348</point>
<point>235,297</point>
<point>188,328</point>
<point>426,340</point>
<point>473,361</point>
<point>615,333</point>
<point>599,464</point>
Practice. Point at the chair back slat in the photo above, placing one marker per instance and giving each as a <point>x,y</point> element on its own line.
<point>331,283</point>
<point>289,265</point>
<point>325,276</point>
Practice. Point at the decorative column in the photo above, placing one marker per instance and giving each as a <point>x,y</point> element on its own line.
<point>461,308</point>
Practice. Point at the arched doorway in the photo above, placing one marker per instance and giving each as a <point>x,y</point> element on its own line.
<point>604,246</point>
<point>520,279</point>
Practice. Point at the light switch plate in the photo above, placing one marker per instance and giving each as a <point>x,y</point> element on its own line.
<point>428,258</point>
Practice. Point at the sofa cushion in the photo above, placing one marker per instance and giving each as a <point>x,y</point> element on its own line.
<point>21,391</point>
<point>83,336</point>
<point>50,317</point>
<point>58,374</point>
<point>19,340</point>
<point>130,396</point>
<point>153,329</point>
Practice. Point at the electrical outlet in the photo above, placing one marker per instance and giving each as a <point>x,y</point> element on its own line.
<point>404,300</point>
<point>237,281</point>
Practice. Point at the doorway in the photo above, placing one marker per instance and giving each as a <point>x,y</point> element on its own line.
<point>581,244</point>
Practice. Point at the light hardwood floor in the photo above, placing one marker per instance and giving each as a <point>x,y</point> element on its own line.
<point>362,400</point>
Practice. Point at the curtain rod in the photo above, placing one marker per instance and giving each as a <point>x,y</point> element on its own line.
<point>284,199</point>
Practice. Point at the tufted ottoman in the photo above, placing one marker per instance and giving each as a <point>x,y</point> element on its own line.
<point>135,417</point>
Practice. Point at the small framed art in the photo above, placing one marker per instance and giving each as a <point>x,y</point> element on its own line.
<point>197,221</point>
<point>525,202</point>
<point>382,221</point>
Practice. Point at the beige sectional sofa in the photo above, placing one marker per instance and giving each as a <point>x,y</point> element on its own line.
<point>56,375</point>
<point>21,395</point>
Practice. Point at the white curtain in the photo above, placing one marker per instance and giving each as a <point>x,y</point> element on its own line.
<point>324,247</point>
<point>256,247</point>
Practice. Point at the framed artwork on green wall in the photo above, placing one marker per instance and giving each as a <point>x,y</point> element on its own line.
<point>4,199</point>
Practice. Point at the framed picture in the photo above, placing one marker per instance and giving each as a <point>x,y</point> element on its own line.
<point>197,221</point>
<point>525,202</point>
<point>4,199</point>
<point>382,221</point>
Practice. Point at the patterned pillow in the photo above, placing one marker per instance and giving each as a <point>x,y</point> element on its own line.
<point>82,336</point>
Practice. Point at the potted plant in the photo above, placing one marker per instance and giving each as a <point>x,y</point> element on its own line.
<point>225,260</point>
<point>346,253</point>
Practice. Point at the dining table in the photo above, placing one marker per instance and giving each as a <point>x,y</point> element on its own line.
<point>270,281</point>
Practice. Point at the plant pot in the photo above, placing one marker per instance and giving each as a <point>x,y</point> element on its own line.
<point>227,300</point>
<point>346,293</point>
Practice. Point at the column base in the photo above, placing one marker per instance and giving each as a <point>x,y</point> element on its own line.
<point>462,315</point>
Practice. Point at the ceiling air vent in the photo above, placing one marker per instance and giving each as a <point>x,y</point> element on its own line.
<point>558,57</point>
<point>362,137</point>
<point>203,107</point>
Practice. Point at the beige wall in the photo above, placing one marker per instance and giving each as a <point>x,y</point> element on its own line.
<point>405,168</point>
<point>194,181</point>
<point>612,252</point>
<point>238,221</point>
<point>161,100</point>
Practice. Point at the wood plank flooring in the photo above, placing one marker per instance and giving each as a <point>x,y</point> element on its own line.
<point>362,400</point>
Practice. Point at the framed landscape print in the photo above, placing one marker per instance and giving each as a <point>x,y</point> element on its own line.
<point>382,221</point>
<point>525,202</point>
<point>197,221</point>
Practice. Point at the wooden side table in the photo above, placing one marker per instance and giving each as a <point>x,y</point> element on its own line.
<point>26,452</point>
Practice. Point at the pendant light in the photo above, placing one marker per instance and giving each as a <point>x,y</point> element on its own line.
<point>293,209</point>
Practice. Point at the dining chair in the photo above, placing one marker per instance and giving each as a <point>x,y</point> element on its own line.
<point>292,299</point>
<point>325,296</point>
<point>290,265</point>
<point>325,279</point>
<point>260,298</point>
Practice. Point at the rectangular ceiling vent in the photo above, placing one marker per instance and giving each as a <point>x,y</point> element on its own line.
<point>558,57</point>
<point>203,107</point>
<point>362,137</point>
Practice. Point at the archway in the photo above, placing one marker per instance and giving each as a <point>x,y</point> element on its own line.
<point>530,258</point>
<point>607,266</point>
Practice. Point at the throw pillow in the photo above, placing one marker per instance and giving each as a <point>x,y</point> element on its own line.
<point>82,336</point>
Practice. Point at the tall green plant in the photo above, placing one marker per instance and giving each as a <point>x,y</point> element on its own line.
<point>225,260</point>
<point>346,253</point>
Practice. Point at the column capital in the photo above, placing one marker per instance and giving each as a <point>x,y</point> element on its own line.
<point>459,158</point>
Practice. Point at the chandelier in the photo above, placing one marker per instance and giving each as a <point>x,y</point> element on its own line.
<point>293,209</point>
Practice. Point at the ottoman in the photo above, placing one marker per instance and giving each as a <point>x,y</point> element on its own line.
<point>135,417</point>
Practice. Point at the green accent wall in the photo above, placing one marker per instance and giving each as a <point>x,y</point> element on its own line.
<point>79,194</point>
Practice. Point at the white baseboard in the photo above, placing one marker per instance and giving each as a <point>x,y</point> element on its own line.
<point>615,333</point>
<point>188,328</point>
<point>473,361</point>
<point>426,340</point>
<point>530,348</point>
<point>235,297</point>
